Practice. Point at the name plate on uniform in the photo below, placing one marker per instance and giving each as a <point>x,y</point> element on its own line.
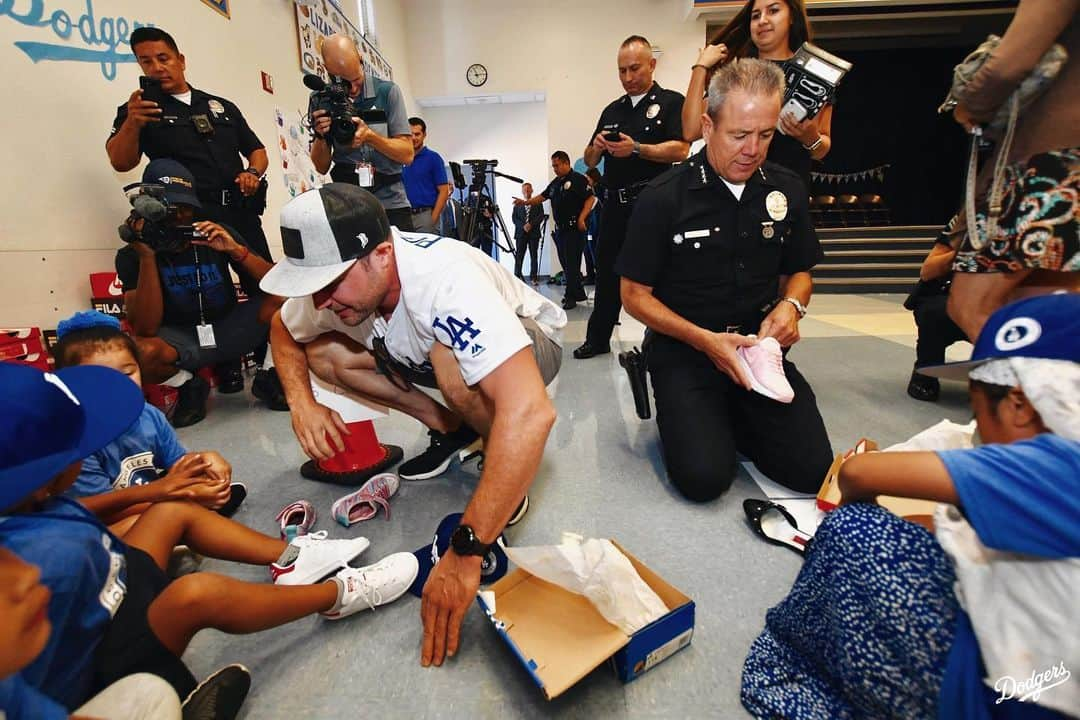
<point>812,77</point>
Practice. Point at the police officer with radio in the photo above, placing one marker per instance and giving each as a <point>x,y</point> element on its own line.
<point>571,201</point>
<point>721,248</point>
<point>205,133</point>
<point>383,139</point>
<point>638,137</point>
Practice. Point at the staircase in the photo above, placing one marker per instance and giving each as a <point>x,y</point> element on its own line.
<point>872,259</point>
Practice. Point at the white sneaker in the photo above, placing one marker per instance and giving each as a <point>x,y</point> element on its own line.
<point>311,558</point>
<point>368,587</point>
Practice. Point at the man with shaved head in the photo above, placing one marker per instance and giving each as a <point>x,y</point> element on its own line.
<point>638,137</point>
<point>383,139</point>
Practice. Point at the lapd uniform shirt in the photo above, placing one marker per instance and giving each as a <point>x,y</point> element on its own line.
<point>213,158</point>
<point>655,119</point>
<point>567,195</point>
<point>712,259</point>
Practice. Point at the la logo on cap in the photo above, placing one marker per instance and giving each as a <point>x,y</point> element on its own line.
<point>1017,333</point>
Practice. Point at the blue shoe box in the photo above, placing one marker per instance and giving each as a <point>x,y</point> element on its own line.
<point>559,637</point>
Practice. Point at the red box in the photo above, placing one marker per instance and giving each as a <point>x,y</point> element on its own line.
<point>24,346</point>
<point>105,285</point>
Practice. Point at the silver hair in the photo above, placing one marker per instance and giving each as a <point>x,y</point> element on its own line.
<point>749,75</point>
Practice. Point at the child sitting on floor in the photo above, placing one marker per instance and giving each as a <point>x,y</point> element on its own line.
<point>24,631</point>
<point>113,610</point>
<point>147,463</point>
<point>979,621</point>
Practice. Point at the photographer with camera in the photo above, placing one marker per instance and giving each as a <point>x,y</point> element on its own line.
<point>571,202</point>
<point>178,292</point>
<point>361,124</point>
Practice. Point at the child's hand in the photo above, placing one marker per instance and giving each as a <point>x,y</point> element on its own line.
<point>211,494</point>
<point>219,468</point>
<point>185,474</point>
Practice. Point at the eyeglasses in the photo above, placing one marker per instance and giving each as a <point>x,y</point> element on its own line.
<point>386,365</point>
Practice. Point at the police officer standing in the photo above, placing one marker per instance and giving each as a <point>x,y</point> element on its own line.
<point>204,133</point>
<point>638,136</point>
<point>571,201</point>
<point>378,150</point>
<point>721,247</point>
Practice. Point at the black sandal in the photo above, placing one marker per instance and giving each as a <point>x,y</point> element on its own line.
<point>782,530</point>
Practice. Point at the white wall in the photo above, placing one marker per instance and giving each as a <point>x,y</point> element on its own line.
<point>514,134</point>
<point>60,201</point>
<point>566,48</point>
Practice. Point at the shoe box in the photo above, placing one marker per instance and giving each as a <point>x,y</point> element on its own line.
<point>25,346</point>
<point>107,294</point>
<point>558,637</point>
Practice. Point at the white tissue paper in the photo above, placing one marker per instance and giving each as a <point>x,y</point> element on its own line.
<point>599,571</point>
<point>946,435</point>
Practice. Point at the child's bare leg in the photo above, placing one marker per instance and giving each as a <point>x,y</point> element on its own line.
<point>168,524</point>
<point>208,600</point>
<point>120,528</point>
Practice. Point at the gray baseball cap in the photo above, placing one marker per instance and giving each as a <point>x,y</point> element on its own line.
<point>323,233</point>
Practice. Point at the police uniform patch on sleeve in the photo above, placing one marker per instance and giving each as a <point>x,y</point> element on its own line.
<point>652,111</point>
<point>776,204</point>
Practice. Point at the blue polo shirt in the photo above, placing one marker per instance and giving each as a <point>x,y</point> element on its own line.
<point>423,177</point>
<point>83,566</point>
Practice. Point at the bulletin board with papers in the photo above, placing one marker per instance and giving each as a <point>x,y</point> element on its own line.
<point>318,19</point>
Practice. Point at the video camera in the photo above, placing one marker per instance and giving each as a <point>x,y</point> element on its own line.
<point>159,229</point>
<point>480,169</point>
<point>333,97</point>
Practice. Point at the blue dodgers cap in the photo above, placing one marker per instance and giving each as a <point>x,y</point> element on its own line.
<point>1045,327</point>
<point>178,181</point>
<point>50,420</point>
<point>493,566</point>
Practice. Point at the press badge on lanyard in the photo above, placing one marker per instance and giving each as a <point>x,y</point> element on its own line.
<point>204,330</point>
<point>365,174</point>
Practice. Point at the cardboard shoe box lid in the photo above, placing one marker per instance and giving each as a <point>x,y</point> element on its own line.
<point>558,635</point>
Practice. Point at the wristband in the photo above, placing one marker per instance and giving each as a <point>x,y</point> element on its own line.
<point>254,172</point>
<point>242,258</point>
<point>695,66</point>
<point>816,144</point>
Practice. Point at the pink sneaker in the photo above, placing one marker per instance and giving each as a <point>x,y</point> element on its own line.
<point>364,504</point>
<point>765,364</point>
<point>296,519</point>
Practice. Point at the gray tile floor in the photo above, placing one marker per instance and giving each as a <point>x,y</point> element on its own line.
<point>601,476</point>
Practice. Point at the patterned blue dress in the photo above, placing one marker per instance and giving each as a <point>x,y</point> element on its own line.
<point>865,631</point>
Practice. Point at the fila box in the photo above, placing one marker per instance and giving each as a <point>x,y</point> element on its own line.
<point>559,637</point>
<point>107,294</point>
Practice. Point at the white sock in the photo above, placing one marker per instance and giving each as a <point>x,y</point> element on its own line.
<point>181,377</point>
<point>268,363</point>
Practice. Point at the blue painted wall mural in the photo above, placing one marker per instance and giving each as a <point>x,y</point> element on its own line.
<point>58,34</point>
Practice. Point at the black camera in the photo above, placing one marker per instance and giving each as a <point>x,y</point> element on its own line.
<point>480,169</point>
<point>158,227</point>
<point>333,97</point>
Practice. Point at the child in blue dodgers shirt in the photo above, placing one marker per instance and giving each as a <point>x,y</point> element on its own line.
<point>113,611</point>
<point>980,622</point>
<point>24,632</point>
<point>115,482</point>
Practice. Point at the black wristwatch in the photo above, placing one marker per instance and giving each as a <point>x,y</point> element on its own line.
<point>254,172</point>
<point>464,542</point>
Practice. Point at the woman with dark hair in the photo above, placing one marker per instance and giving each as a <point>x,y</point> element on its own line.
<point>770,30</point>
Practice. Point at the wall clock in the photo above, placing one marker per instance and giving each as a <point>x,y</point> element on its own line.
<point>477,75</point>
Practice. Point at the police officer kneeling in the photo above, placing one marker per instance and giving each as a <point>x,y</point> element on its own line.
<point>718,248</point>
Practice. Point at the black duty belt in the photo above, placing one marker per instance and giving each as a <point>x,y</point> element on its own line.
<point>422,208</point>
<point>628,194</point>
<point>225,197</point>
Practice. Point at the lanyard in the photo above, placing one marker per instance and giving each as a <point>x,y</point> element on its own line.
<point>198,285</point>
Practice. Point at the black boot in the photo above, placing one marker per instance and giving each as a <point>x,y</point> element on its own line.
<point>923,387</point>
<point>230,379</point>
<point>191,402</point>
<point>267,387</point>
